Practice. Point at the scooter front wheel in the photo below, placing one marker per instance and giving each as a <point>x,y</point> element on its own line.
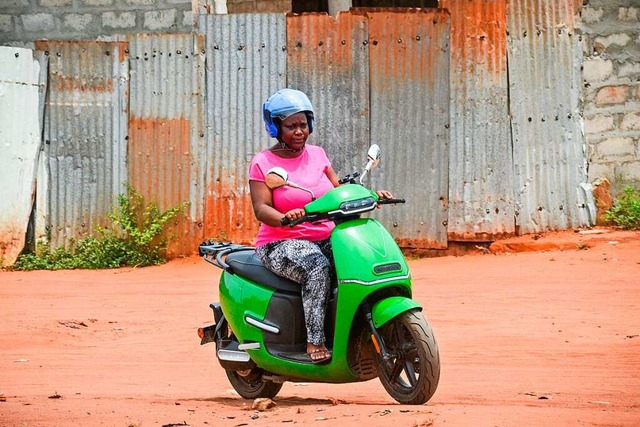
<point>250,384</point>
<point>412,372</point>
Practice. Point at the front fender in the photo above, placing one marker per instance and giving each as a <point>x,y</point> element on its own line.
<point>386,309</point>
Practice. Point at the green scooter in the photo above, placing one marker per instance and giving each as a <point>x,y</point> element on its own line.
<point>372,325</point>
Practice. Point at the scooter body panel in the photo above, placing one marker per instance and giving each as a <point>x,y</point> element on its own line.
<point>388,308</point>
<point>366,254</point>
<point>363,269</point>
<point>242,299</point>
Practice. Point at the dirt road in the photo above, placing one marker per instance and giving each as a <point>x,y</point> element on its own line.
<point>531,339</point>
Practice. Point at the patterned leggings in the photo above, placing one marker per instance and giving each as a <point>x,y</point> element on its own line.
<point>311,265</point>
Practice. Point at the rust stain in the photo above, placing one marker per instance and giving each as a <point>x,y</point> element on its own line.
<point>12,240</point>
<point>406,43</point>
<point>478,237</point>
<point>159,168</point>
<point>77,65</point>
<point>57,47</point>
<point>478,34</point>
<point>420,244</point>
<point>91,84</point>
<point>229,213</point>
<point>546,15</point>
<point>319,41</point>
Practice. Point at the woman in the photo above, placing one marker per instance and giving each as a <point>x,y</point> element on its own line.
<point>301,253</point>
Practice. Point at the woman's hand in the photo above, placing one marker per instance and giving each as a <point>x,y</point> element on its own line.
<point>383,194</point>
<point>294,214</point>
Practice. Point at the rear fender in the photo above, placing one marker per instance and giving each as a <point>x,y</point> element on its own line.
<point>388,308</point>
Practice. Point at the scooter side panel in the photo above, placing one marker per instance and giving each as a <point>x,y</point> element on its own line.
<point>365,253</point>
<point>239,299</point>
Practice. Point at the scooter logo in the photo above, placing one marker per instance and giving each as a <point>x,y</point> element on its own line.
<point>385,268</point>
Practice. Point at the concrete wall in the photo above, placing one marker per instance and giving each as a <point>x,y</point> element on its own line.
<point>23,21</point>
<point>258,6</point>
<point>611,36</point>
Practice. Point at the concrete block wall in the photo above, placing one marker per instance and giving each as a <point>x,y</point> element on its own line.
<point>23,21</point>
<point>258,6</point>
<point>611,91</point>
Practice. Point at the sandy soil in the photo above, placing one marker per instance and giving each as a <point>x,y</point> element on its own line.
<point>527,338</point>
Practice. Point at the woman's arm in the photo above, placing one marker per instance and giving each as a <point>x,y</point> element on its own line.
<point>333,176</point>
<point>262,201</point>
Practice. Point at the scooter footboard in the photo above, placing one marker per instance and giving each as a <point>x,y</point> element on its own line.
<point>388,308</point>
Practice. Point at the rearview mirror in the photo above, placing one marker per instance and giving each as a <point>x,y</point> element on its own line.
<point>373,155</point>
<point>276,178</point>
<point>373,158</point>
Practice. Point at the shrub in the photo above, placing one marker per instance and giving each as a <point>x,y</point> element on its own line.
<point>133,239</point>
<point>625,212</point>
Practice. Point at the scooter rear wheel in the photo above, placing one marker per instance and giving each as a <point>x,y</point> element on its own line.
<point>412,373</point>
<point>250,384</point>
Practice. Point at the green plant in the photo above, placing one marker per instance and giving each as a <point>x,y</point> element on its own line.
<point>133,239</point>
<point>625,212</point>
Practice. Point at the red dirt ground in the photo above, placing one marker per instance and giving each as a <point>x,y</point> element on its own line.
<point>529,338</point>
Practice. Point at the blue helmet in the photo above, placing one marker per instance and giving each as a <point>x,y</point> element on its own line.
<point>283,104</point>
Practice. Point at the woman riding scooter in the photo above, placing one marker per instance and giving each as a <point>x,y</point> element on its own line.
<point>302,253</point>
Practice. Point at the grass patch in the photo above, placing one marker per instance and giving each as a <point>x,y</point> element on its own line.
<point>132,239</point>
<point>625,212</point>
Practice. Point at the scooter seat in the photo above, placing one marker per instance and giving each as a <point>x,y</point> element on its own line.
<point>248,265</point>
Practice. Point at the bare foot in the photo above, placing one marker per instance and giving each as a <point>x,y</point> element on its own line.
<point>318,353</point>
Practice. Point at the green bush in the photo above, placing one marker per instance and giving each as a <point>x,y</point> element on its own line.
<point>625,212</point>
<point>133,239</point>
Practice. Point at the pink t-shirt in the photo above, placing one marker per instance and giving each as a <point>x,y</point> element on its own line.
<point>307,170</point>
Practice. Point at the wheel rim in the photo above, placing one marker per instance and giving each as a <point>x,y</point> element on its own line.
<point>402,370</point>
<point>251,379</point>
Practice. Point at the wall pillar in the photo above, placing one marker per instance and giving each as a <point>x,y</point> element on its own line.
<point>336,6</point>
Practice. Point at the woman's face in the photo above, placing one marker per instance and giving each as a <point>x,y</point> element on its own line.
<point>295,131</point>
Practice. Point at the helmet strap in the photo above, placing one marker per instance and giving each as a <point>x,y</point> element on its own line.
<point>285,147</point>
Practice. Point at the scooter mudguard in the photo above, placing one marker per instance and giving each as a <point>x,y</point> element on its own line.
<point>386,309</point>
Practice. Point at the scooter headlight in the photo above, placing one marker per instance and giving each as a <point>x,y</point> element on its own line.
<point>358,205</point>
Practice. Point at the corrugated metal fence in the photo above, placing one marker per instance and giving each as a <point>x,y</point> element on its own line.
<point>481,202</point>
<point>478,150</point>
<point>166,150</point>
<point>22,89</point>
<point>246,62</point>
<point>382,76</point>
<point>85,135</point>
<point>545,59</point>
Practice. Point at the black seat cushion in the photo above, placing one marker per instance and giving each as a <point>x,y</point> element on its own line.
<point>247,264</point>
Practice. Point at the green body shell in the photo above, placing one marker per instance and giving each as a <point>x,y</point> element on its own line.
<point>368,262</point>
<point>388,308</point>
<point>333,198</point>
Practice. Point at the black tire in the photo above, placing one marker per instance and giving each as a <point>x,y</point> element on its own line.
<point>250,384</point>
<point>412,373</point>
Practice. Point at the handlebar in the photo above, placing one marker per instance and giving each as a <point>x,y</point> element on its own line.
<point>390,201</point>
<point>285,221</point>
<point>320,216</point>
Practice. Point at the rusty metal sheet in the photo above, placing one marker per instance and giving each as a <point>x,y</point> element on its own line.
<point>409,78</point>
<point>246,62</point>
<point>481,199</point>
<point>328,59</point>
<point>85,134</point>
<point>166,147</point>
<point>545,58</point>
<point>22,83</point>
